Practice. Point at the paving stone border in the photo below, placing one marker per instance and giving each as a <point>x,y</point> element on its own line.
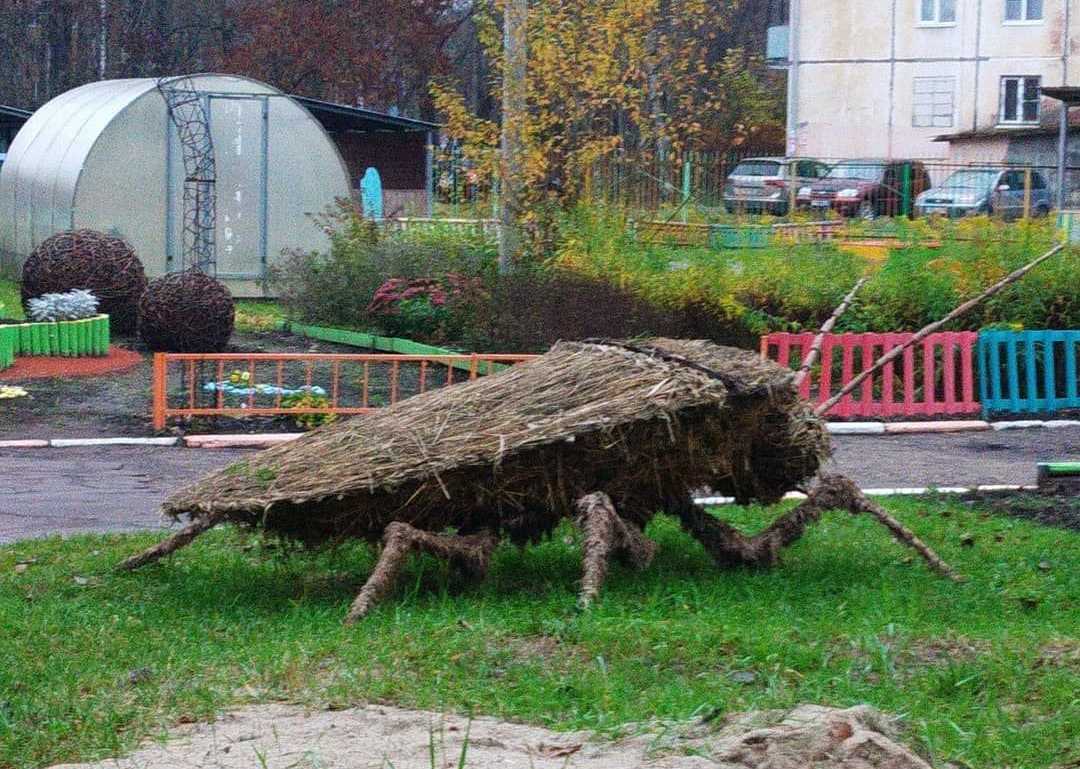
<point>265,440</point>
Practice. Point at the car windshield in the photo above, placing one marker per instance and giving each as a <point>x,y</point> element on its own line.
<point>757,168</point>
<point>868,171</point>
<point>970,180</point>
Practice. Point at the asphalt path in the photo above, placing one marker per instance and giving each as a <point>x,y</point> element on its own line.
<point>117,488</point>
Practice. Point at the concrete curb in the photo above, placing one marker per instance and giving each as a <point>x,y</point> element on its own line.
<point>238,441</point>
<point>856,428</point>
<point>266,440</point>
<point>65,443</point>
<point>914,491</point>
<point>962,426</point>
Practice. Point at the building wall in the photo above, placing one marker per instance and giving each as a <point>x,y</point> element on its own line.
<point>856,65</point>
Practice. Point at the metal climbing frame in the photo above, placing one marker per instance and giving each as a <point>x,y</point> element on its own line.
<point>189,113</point>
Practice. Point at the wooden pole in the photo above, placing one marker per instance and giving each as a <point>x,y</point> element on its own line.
<point>1027,194</point>
<point>819,340</point>
<point>893,354</point>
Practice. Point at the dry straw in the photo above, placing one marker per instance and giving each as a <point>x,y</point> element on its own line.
<point>605,433</point>
<point>513,452</point>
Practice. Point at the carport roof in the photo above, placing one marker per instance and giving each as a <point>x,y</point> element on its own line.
<point>342,117</point>
<point>10,115</point>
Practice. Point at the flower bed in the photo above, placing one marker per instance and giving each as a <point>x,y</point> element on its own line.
<point>84,338</point>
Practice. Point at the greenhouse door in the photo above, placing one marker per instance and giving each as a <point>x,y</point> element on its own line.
<point>238,126</point>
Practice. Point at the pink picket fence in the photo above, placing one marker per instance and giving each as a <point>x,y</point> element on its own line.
<point>934,377</point>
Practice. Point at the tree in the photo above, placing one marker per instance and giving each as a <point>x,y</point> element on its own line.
<point>381,55</point>
<point>606,77</point>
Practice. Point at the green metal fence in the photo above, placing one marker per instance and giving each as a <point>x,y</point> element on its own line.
<point>1028,371</point>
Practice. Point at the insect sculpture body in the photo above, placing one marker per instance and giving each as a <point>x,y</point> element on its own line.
<point>607,434</point>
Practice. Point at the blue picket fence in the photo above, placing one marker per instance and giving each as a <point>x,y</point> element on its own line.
<point>1028,371</point>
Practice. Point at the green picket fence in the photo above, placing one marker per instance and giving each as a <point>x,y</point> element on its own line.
<point>9,339</point>
<point>66,338</point>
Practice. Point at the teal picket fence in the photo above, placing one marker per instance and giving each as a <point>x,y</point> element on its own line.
<point>1028,371</point>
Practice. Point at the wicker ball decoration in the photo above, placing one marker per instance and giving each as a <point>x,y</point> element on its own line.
<point>186,312</point>
<point>103,264</point>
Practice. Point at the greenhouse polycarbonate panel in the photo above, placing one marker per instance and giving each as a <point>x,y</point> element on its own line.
<point>239,132</point>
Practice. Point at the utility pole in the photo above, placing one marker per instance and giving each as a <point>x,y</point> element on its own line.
<point>103,38</point>
<point>514,111</point>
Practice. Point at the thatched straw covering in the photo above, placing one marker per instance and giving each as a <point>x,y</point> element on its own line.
<point>646,422</point>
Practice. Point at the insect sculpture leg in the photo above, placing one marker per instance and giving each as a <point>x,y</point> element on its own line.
<point>178,540</point>
<point>607,534</point>
<point>837,492</point>
<point>729,547</point>
<point>469,553</point>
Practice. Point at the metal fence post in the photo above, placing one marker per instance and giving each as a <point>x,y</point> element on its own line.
<point>686,171</point>
<point>905,204</point>
<point>159,390</point>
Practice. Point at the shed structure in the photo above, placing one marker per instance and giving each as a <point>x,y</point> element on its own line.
<point>399,148</point>
<point>105,156</point>
<point>11,120</point>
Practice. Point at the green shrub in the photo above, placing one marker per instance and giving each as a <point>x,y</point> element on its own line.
<point>602,281</point>
<point>533,309</point>
<point>920,284</point>
<point>336,288</point>
<point>437,311</point>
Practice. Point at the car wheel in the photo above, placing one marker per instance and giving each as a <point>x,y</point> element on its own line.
<point>867,211</point>
<point>1041,211</point>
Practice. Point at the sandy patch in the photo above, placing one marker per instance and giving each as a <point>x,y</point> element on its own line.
<point>378,737</point>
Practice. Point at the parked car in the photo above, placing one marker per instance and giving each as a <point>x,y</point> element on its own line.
<point>867,188</point>
<point>762,185</point>
<point>986,191</point>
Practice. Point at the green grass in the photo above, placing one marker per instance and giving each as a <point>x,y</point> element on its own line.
<point>986,673</point>
<point>10,300</point>
<point>255,315</point>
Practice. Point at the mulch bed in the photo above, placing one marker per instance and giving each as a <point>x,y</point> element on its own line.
<point>35,367</point>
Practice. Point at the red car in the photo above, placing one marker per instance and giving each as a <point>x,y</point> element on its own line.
<point>867,188</point>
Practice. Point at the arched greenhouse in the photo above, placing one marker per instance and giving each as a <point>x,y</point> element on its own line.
<point>106,156</point>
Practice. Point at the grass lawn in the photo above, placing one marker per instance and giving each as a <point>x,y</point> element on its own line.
<point>254,315</point>
<point>986,673</point>
<point>10,300</point>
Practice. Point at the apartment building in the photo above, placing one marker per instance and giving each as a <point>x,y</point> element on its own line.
<point>922,78</point>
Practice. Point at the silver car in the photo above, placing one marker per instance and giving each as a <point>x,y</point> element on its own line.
<point>990,191</point>
<point>763,185</point>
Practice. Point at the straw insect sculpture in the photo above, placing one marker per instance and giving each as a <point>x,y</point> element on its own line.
<point>606,434</point>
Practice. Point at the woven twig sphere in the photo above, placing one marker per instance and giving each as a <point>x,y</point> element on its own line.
<point>103,264</point>
<point>186,312</point>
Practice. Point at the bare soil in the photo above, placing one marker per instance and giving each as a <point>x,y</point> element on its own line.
<point>1049,510</point>
<point>376,737</point>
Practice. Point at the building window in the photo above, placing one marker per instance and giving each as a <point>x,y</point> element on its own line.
<point>937,11</point>
<point>1020,99</point>
<point>933,102</point>
<point>1023,10</point>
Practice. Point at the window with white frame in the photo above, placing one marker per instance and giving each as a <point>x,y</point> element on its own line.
<point>932,105</point>
<point>937,11</point>
<point>1023,10</point>
<point>1020,99</point>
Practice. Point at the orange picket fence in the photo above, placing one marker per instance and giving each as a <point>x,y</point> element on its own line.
<point>269,384</point>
